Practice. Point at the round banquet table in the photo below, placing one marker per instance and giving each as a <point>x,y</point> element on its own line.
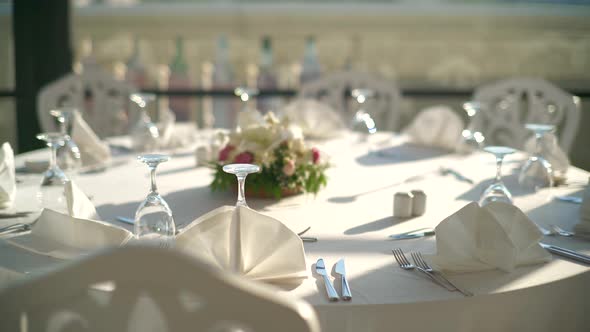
<point>352,218</point>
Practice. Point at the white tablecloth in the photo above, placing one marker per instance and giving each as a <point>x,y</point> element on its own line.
<point>352,218</point>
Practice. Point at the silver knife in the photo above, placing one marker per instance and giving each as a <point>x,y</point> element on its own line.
<point>569,199</point>
<point>346,295</point>
<point>413,234</point>
<point>577,256</point>
<point>320,268</point>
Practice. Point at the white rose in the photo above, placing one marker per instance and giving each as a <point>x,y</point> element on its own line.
<point>248,118</point>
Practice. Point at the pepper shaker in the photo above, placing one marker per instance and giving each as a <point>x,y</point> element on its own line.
<point>402,205</point>
<point>418,203</point>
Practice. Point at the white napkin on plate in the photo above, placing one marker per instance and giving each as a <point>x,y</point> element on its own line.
<point>551,152</point>
<point>7,176</point>
<point>497,236</point>
<point>436,126</point>
<point>583,225</point>
<point>316,119</point>
<point>246,242</point>
<point>79,205</point>
<point>93,151</point>
<point>61,236</point>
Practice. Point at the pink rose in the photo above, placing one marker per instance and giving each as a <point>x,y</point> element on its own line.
<point>315,155</point>
<point>244,158</point>
<point>224,153</point>
<point>289,167</point>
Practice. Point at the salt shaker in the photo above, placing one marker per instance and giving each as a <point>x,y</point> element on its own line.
<point>402,205</point>
<point>418,203</point>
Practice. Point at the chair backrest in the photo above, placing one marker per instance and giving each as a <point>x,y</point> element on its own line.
<point>149,289</point>
<point>384,107</point>
<point>102,100</point>
<point>510,104</point>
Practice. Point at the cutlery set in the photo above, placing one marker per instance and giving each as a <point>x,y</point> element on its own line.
<point>421,265</point>
<point>320,268</point>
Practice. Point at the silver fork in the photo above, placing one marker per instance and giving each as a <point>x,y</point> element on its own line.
<point>405,264</point>
<point>419,261</point>
<point>560,231</point>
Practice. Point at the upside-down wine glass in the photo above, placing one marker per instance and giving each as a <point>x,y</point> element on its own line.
<point>537,172</point>
<point>51,192</point>
<point>68,156</point>
<point>472,140</point>
<point>154,224</point>
<point>241,171</point>
<point>361,118</point>
<point>497,191</point>
<point>144,134</point>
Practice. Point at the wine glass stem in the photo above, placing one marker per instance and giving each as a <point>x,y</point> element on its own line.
<point>499,168</point>
<point>53,160</point>
<point>538,146</point>
<point>63,126</point>
<point>241,195</point>
<point>154,188</point>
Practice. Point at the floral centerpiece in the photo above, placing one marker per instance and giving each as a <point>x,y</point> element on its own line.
<point>288,166</point>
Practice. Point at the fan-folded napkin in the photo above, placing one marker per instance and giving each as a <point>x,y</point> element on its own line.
<point>436,126</point>
<point>7,177</point>
<point>67,236</point>
<point>497,236</point>
<point>79,205</point>
<point>246,242</point>
<point>61,236</point>
<point>316,119</point>
<point>583,226</point>
<point>92,150</point>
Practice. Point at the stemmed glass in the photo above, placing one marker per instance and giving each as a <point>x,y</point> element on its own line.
<point>68,156</point>
<point>471,140</point>
<point>145,133</point>
<point>51,192</point>
<point>241,171</point>
<point>497,191</point>
<point>361,117</point>
<point>153,218</point>
<point>537,172</point>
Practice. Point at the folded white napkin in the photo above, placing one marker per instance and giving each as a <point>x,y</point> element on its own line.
<point>436,126</point>
<point>79,205</point>
<point>246,242</point>
<point>497,236</point>
<point>583,225</point>
<point>93,151</point>
<point>61,236</point>
<point>550,150</point>
<point>7,177</point>
<point>316,119</point>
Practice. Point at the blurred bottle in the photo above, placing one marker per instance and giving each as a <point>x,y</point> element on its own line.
<point>224,109</point>
<point>179,79</point>
<point>267,78</point>
<point>310,69</point>
<point>136,73</point>
<point>88,60</point>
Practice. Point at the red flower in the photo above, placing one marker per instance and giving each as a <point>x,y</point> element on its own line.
<point>315,155</point>
<point>224,153</point>
<point>244,158</point>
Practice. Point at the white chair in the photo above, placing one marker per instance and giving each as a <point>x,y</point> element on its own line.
<point>510,104</point>
<point>102,100</point>
<point>149,289</point>
<point>384,107</point>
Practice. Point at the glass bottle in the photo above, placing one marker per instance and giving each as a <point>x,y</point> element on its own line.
<point>267,79</point>
<point>179,79</point>
<point>310,69</point>
<point>136,72</point>
<point>224,109</point>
